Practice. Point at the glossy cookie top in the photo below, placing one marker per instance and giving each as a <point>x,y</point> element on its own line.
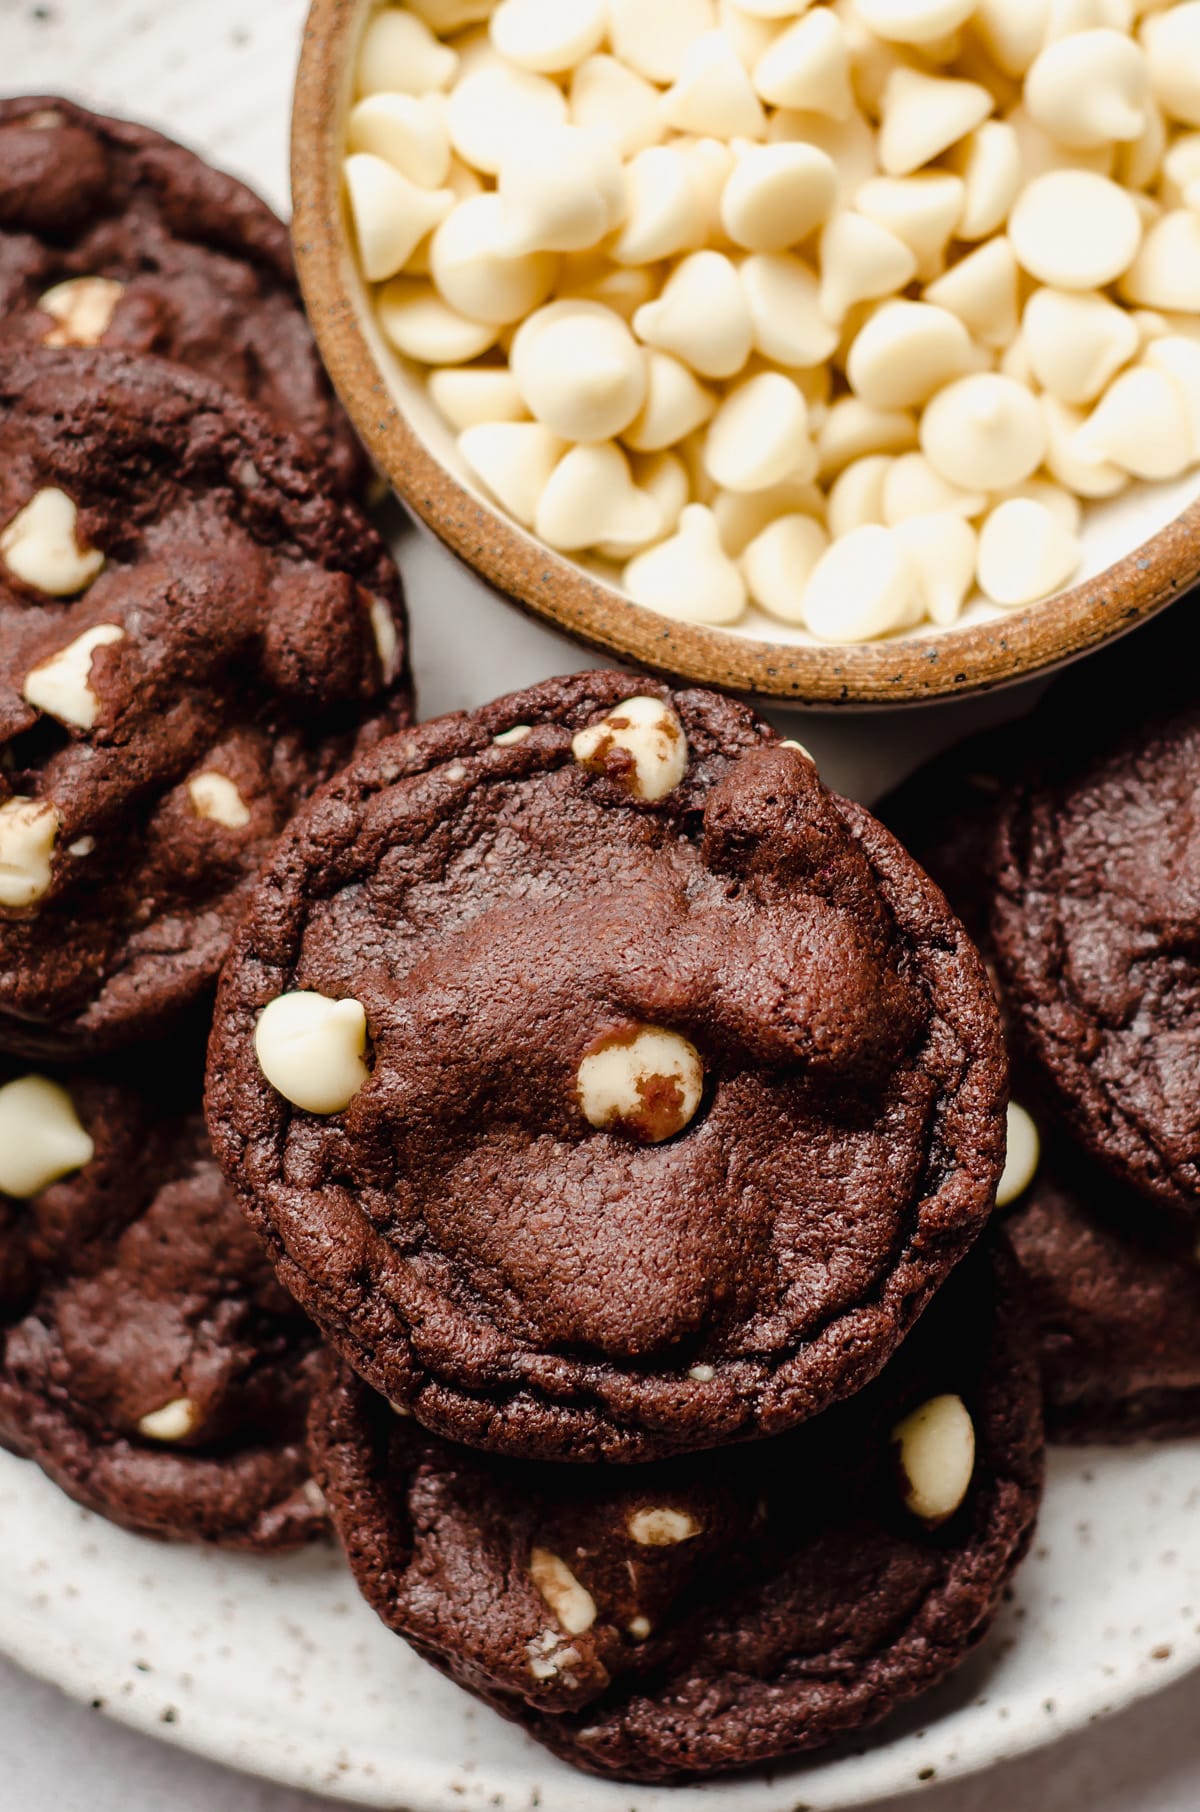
<point>1094,926</point>
<point>192,634</point>
<point>717,1611</point>
<point>113,236</point>
<point>149,1360</point>
<point>605,1086</point>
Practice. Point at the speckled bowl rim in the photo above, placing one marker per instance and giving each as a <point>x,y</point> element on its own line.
<point>1018,646</point>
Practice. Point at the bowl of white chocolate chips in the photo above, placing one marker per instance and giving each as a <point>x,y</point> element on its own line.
<point>847,352</point>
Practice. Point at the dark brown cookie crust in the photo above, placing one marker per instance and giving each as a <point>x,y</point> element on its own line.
<point>844,1161</point>
<point>1114,1286</point>
<point>807,1603</point>
<point>207,267</point>
<point>143,1285</point>
<point>243,592</point>
<point>1094,927</point>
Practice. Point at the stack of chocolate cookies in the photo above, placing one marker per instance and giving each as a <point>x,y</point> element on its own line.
<point>1070,849</point>
<point>625,1108</point>
<point>198,626</point>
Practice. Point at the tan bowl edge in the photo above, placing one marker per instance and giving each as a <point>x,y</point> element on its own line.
<point>1021,645</point>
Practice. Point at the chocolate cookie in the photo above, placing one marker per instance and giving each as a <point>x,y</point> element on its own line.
<point>711,1613</point>
<point>1115,1291</point>
<point>111,235</point>
<point>149,1361</point>
<point>192,634</point>
<point>685,1090</point>
<point>1094,926</point>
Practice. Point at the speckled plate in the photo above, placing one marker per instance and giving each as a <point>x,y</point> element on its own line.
<point>284,1671</point>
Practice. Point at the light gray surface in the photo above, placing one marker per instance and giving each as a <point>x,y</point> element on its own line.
<point>221,77</point>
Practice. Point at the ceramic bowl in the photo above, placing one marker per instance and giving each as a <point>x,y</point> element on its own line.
<point>1140,552</point>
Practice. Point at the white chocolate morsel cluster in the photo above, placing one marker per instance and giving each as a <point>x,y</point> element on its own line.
<point>841,309</point>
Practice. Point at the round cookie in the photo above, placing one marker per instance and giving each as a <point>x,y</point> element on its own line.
<point>149,1362</point>
<point>192,635</point>
<point>696,1616</point>
<point>635,1093</point>
<point>112,235</point>
<point>1094,929</point>
<point>1115,1290</point>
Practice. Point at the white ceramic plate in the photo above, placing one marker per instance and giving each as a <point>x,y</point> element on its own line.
<point>282,1670</point>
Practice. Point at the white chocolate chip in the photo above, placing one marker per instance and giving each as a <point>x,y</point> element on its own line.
<point>591,498</point>
<point>655,39</point>
<point>41,1136</point>
<point>175,1421</point>
<point>1065,462</point>
<point>906,352</point>
<point>60,685</point>
<point>743,515</point>
<point>515,460</point>
<point>937,1458</point>
<point>562,190</point>
<point>1023,1156</point>
<point>1178,358</point>
<point>639,1628</point>
<point>983,290</point>
<point>1172,41</point>
<point>1141,425</point>
<point>478,393</point>
<point>1166,272</point>
<point>82,846</point>
<point>215,797</point>
<point>808,67</point>
<point>989,162</point>
<point>676,404</point>
<point>606,96</point>
<point>704,1374</point>
<point>665,210</point>
<point>1090,89</point>
<point>943,549</point>
<point>1073,230</point>
<point>689,575</point>
<point>759,435</point>
<point>579,370</point>
<point>1077,341</point>
<point>662,1528</point>
<point>922,210</point>
<point>508,739</point>
<point>649,732</point>
<point>914,21</point>
<point>860,261</point>
<point>311,1049</point>
<point>494,105</point>
<point>779,562</point>
<point>1025,553</point>
<point>572,1604</point>
<point>408,131</point>
<point>924,115</point>
<point>857,496</point>
<point>83,308</point>
<point>853,429</point>
<point>419,324</point>
<point>28,831</point>
<point>1063,505</point>
<point>702,317</point>
<point>476,270</point>
<point>713,93</point>
<point>385,635</point>
<point>40,546</point>
<point>777,195</point>
<point>786,310</point>
<point>391,214</point>
<point>913,488</point>
<point>644,1082</point>
<point>549,36</point>
<point>863,587</point>
<point>400,55</point>
<point>984,432</point>
<point>1012,31</point>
